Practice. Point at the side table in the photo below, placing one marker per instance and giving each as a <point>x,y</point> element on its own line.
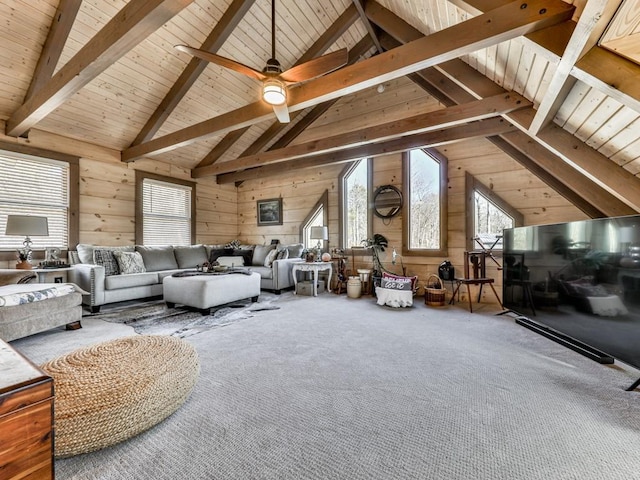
<point>51,275</point>
<point>314,267</point>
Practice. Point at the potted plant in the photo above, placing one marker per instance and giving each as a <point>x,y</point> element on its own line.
<point>377,244</point>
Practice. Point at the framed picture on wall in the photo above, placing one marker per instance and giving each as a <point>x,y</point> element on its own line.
<point>270,212</point>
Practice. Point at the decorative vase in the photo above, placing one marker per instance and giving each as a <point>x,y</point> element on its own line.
<point>354,287</point>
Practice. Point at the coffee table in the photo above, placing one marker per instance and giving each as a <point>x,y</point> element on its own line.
<point>210,290</point>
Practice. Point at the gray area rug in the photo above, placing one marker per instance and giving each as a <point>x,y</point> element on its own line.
<point>155,318</point>
<point>338,388</point>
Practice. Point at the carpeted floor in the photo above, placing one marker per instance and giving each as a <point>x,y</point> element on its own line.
<point>336,388</point>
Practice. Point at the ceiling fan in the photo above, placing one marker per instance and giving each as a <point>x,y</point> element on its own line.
<point>274,80</point>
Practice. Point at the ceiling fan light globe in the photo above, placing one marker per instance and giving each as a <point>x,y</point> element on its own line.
<point>274,92</point>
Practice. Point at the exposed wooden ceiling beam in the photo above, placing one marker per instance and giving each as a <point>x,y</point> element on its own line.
<point>53,45</point>
<point>131,25</point>
<point>194,69</point>
<point>599,68</point>
<point>498,25</point>
<point>592,23</point>
<point>222,146</point>
<point>482,128</point>
<point>438,119</point>
<point>328,38</point>
<point>367,25</point>
<point>274,130</point>
<point>479,86</point>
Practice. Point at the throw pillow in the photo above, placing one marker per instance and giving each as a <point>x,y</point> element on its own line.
<point>189,256</point>
<point>260,254</point>
<point>233,244</point>
<point>400,278</point>
<point>158,258</point>
<point>233,261</point>
<point>219,252</point>
<point>295,250</point>
<point>271,256</point>
<point>246,254</point>
<point>283,254</point>
<point>129,262</point>
<point>107,260</point>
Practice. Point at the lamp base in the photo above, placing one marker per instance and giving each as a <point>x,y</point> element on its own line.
<point>24,265</point>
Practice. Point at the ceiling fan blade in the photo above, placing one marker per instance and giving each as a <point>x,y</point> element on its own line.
<point>282,112</point>
<point>222,61</point>
<point>316,67</point>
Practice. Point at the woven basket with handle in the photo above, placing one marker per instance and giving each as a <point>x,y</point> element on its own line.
<point>435,292</point>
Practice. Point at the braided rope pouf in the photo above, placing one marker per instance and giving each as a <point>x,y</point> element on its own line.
<point>112,391</point>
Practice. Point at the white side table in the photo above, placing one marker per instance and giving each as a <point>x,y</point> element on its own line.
<point>51,275</point>
<point>314,267</point>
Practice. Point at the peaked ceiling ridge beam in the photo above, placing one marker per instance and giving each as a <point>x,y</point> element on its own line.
<point>328,38</point>
<point>130,26</point>
<point>367,25</point>
<point>592,23</point>
<point>482,128</point>
<point>435,120</point>
<point>444,78</point>
<point>501,24</point>
<point>218,36</point>
<point>61,25</point>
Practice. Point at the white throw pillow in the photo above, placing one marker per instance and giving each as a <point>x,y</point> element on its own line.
<point>236,261</point>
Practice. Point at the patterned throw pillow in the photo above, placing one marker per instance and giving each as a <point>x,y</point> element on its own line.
<point>397,280</point>
<point>130,262</point>
<point>107,260</point>
<point>283,254</point>
<point>271,256</point>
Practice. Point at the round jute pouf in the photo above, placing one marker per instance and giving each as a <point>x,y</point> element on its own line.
<point>112,391</point>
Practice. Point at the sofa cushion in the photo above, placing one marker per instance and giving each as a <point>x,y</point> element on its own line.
<point>85,251</point>
<point>245,253</point>
<point>157,258</point>
<point>231,261</point>
<point>265,272</point>
<point>115,282</point>
<point>260,253</point>
<point>295,250</point>
<point>129,262</point>
<point>216,253</point>
<point>107,260</point>
<point>190,256</point>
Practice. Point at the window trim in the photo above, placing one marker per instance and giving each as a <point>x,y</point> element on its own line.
<point>323,203</point>
<point>346,171</point>
<point>444,205</point>
<point>139,217</point>
<point>73,212</point>
<point>471,185</point>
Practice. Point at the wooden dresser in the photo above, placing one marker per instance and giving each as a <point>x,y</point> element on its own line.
<point>26,418</point>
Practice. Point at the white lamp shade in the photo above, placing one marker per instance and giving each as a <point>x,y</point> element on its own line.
<point>27,225</point>
<point>319,233</point>
<point>274,92</point>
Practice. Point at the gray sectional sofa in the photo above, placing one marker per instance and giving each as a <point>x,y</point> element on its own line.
<point>98,269</point>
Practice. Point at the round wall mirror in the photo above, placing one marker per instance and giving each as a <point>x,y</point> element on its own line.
<point>387,201</point>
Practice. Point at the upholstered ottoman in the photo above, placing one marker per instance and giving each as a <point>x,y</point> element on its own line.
<point>207,291</point>
<point>114,390</point>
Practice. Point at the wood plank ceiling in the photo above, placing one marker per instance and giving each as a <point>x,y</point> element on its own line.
<point>106,72</point>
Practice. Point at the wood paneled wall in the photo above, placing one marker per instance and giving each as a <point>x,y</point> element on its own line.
<point>107,193</point>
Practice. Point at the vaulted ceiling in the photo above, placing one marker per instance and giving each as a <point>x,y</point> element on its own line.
<point>553,84</point>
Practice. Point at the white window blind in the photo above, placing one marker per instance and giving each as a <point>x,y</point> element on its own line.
<point>166,211</point>
<point>34,186</point>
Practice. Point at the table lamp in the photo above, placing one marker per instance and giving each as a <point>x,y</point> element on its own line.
<point>28,226</point>
<point>321,234</point>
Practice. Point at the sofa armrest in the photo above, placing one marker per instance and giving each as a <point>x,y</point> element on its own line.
<point>90,278</point>
<point>282,277</point>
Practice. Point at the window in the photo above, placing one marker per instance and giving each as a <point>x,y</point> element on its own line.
<point>425,221</point>
<point>165,210</point>
<point>355,213</point>
<point>39,187</point>
<point>488,216</point>
<point>317,220</point>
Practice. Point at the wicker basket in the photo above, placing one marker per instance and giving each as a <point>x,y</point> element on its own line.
<point>435,292</point>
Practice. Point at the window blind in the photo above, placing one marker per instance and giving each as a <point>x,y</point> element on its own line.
<point>34,186</point>
<point>166,211</point>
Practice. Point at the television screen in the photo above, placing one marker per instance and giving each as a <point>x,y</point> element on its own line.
<point>579,278</point>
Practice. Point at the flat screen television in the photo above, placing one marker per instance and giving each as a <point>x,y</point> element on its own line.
<point>580,280</point>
